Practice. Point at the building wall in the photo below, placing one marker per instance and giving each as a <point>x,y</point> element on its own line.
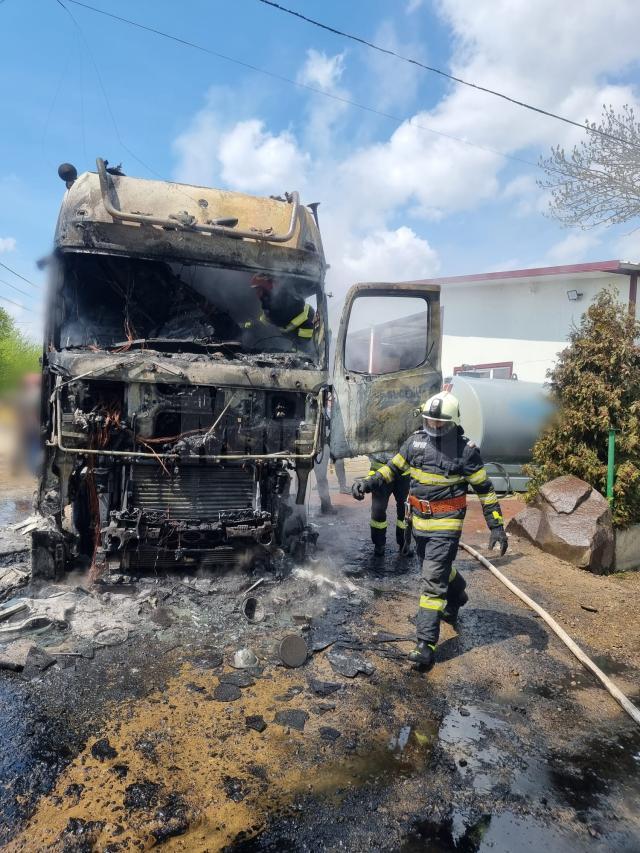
<point>526,321</point>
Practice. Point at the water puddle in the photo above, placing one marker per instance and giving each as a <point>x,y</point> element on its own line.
<point>13,511</point>
<point>503,833</point>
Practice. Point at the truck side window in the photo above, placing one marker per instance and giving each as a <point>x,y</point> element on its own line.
<point>386,334</point>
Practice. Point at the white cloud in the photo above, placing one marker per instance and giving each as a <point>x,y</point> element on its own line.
<point>574,248</point>
<point>7,244</point>
<point>413,6</point>
<point>559,61</point>
<point>627,247</point>
<point>196,149</point>
<point>385,255</point>
<point>254,159</point>
<point>321,71</point>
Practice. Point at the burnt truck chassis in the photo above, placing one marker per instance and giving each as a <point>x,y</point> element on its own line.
<point>219,494</point>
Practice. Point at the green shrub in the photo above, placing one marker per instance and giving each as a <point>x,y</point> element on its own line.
<point>596,384</point>
<point>17,355</point>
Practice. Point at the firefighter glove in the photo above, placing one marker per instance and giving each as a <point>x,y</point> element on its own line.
<point>360,488</point>
<point>498,537</point>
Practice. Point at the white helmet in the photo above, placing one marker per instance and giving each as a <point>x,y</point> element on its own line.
<point>441,413</point>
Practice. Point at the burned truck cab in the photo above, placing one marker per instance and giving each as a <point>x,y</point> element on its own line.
<point>184,377</point>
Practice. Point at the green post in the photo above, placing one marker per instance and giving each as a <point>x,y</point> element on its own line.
<point>610,465</point>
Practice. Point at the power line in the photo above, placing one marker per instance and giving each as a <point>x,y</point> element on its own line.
<point>4,266</point>
<point>399,121</point>
<point>17,289</point>
<point>452,77</point>
<point>13,302</point>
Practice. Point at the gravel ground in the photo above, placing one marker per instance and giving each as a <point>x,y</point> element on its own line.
<point>508,744</point>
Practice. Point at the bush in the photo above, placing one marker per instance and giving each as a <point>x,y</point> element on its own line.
<point>17,355</point>
<point>596,384</point>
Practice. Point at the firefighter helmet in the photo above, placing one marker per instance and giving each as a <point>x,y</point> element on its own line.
<point>441,412</point>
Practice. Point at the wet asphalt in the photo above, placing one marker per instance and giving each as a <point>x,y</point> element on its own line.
<point>506,746</point>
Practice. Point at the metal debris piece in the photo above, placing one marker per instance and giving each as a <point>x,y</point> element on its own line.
<point>254,585</point>
<point>349,664</point>
<point>324,688</point>
<point>589,608</point>
<point>293,651</point>
<point>293,719</point>
<point>329,733</point>
<point>9,611</point>
<point>240,678</point>
<point>226,693</point>
<point>244,659</point>
<point>253,609</point>
<point>255,722</point>
<point>111,636</point>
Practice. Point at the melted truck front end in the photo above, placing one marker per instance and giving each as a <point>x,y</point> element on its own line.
<point>181,419</point>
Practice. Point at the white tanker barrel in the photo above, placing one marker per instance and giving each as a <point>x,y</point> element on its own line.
<point>503,416</point>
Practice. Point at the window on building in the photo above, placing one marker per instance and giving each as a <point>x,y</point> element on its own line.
<point>490,370</point>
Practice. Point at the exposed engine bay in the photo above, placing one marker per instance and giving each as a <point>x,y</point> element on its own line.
<point>165,479</point>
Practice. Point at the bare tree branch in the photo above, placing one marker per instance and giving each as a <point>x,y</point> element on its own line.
<point>598,182</point>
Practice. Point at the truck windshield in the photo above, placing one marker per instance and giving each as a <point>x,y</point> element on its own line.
<point>109,302</point>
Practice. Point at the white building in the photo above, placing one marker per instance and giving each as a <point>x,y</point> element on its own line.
<point>516,322</point>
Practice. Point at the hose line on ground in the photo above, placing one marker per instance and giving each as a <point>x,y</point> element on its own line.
<point>618,695</point>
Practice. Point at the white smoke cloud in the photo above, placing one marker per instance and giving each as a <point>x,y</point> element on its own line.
<point>7,244</point>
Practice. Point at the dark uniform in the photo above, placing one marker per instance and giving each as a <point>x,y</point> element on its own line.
<point>289,312</point>
<point>399,488</point>
<point>440,469</point>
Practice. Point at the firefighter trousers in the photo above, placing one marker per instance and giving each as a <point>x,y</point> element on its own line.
<point>399,488</point>
<point>442,583</point>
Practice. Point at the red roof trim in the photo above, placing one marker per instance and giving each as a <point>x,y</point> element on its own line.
<point>594,266</point>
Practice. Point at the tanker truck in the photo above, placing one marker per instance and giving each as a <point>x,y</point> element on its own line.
<point>180,417</point>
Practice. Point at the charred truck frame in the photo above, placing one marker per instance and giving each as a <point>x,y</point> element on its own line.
<point>180,397</point>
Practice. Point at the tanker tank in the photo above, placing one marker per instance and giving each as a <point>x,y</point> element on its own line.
<point>504,417</point>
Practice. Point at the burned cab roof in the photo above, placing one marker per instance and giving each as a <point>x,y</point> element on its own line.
<point>113,213</point>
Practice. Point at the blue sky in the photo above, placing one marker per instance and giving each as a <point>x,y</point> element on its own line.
<point>397,201</point>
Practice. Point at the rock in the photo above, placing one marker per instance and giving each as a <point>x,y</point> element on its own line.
<point>324,688</point>
<point>570,520</point>
<point>564,494</point>
<point>102,750</point>
<point>37,662</point>
<point>255,722</point>
<point>293,719</point>
<point>14,656</point>
<point>328,733</point>
<point>349,664</point>
<point>241,678</point>
<point>226,693</point>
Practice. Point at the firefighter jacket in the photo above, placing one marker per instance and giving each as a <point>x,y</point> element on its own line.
<point>377,460</point>
<point>290,312</point>
<point>441,470</point>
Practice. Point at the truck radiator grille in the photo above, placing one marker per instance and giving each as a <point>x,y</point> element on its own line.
<point>195,492</point>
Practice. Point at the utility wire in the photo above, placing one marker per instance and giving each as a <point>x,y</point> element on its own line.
<point>396,119</point>
<point>13,302</point>
<point>455,79</point>
<point>4,266</point>
<point>399,121</point>
<point>17,289</point>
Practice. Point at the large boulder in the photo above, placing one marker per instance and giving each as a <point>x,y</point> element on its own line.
<point>571,520</point>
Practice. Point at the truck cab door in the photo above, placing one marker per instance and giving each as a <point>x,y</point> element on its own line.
<point>387,362</point>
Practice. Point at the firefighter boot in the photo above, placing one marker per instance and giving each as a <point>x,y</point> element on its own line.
<point>450,613</point>
<point>423,655</point>
<point>378,549</point>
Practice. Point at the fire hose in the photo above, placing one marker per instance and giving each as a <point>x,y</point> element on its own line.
<point>632,710</point>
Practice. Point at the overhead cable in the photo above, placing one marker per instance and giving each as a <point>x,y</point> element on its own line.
<point>586,127</point>
<point>17,289</point>
<point>4,266</point>
<point>273,75</point>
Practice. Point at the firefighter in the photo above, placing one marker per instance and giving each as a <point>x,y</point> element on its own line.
<point>399,488</point>
<point>284,308</point>
<point>442,463</point>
